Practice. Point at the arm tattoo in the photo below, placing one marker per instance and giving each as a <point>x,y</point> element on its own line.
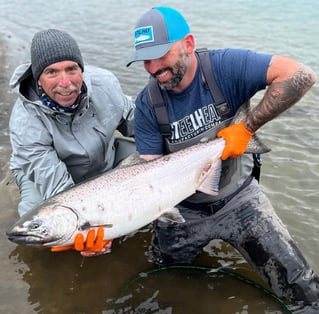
<point>279,97</point>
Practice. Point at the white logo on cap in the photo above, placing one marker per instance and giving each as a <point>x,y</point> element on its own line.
<point>143,35</point>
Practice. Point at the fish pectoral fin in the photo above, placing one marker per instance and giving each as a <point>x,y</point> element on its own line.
<point>173,215</point>
<point>209,179</point>
<point>87,226</point>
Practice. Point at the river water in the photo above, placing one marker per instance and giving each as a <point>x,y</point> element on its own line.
<point>38,281</point>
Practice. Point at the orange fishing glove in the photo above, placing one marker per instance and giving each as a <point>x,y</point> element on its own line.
<point>237,138</point>
<point>94,245</point>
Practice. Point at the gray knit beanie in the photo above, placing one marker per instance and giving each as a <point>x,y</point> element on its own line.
<point>51,46</point>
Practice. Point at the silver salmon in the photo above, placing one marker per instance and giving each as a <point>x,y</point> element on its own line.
<point>126,198</point>
<point>123,200</point>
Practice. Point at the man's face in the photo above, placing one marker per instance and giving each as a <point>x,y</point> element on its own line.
<point>170,69</point>
<point>62,82</point>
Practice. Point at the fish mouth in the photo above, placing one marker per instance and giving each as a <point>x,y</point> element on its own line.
<point>44,228</point>
<point>30,239</point>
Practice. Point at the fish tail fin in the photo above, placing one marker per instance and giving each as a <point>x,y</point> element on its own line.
<point>256,146</point>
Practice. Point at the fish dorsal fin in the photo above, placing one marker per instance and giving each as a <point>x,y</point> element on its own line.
<point>210,177</point>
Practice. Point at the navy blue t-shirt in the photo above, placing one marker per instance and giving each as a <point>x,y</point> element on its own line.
<point>239,73</point>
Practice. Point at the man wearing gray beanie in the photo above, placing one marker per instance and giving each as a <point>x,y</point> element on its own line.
<point>51,46</point>
<point>63,123</point>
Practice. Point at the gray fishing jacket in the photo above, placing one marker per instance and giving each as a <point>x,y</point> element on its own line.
<point>56,149</point>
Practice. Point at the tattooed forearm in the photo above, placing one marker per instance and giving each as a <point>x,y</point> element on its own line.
<point>303,80</point>
<point>279,97</point>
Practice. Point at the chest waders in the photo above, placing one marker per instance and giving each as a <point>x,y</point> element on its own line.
<point>261,238</point>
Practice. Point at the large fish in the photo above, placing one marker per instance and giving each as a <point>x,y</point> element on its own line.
<point>125,199</point>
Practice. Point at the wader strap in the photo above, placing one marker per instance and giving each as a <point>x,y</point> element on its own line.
<point>158,101</point>
<point>207,75</point>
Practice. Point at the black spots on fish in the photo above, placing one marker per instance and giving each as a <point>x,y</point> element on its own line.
<point>156,190</point>
<point>100,208</point>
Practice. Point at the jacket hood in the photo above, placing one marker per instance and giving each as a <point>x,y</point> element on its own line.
<point>22,72</point>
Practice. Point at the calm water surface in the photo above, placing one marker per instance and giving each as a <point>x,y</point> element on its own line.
<point>37,281</point>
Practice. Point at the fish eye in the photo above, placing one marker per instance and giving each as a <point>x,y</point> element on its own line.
<point>35,225</point>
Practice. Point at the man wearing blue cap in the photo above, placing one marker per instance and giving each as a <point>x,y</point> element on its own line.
<point>241,214</point>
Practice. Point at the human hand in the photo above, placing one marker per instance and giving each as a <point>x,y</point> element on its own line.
<point>237,138</point>
<point>94,245</point>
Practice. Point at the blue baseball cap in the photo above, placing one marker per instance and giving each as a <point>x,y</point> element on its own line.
<point>156,31</point>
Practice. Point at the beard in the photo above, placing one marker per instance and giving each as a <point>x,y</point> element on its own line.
<point>178,71</point>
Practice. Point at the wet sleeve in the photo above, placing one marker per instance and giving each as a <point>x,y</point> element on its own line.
<point>34,154</point>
